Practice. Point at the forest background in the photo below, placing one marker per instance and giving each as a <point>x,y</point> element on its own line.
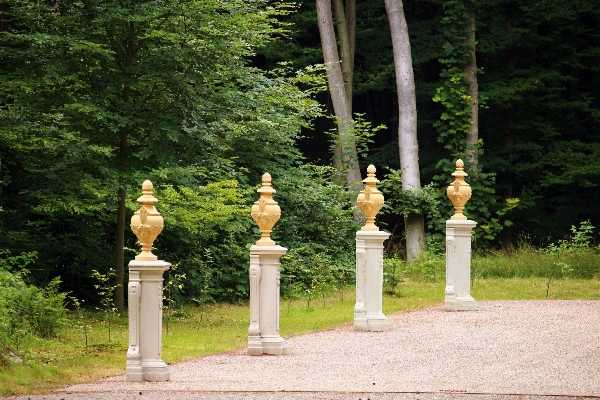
<point>203,97</point>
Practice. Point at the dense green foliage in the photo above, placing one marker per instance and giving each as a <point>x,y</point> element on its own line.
<point>98,96</point>
<point>538,118</point>
<point>27,311</point>
<point>204,96</point>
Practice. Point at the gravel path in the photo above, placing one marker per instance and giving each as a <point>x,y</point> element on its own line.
<point>505,350</point>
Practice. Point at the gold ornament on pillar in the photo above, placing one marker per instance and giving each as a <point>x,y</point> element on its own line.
<point>370,199</point>
<point>459,191</point>
<point>147,223</point>
<point>266,212</point>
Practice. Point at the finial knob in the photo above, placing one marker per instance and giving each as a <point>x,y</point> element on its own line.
<point>147,223</point>
<point>266,212</point>
<point>370,199</point>
<point>459,191</point>
<point>266,179</point>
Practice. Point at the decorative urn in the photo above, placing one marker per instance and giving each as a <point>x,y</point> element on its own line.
<point>459,191</point>
<point>370,200</point>
<point>147,223</point>
<point>266,212</point>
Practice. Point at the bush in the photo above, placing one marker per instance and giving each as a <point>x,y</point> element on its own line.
<point>28,310</point>
<point>208,232</point>
<point>310,271</point>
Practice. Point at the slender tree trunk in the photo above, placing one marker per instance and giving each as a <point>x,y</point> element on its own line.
<point>335,80</point>
<point>509,141</point>
<point>119,293</point>
<point>346,28</point>
<point>407,123</point>
<point>471,76</point>
<point>3,16</point>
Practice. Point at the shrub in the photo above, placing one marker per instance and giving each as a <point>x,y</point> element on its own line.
<point>311,271</point>
<point>28,310</point>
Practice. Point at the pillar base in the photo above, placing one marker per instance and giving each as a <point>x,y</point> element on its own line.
<point>153,371</point>
<point>371,323</point>
<point>255,347</point>
<point>258,346</point>
<point>133,371</point>
<point>453,303</point>
<point>275,346</point>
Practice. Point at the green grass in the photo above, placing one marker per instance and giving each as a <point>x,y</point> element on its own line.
<point>192,332</point>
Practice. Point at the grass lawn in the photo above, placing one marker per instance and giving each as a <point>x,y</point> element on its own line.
<point>192,332</point>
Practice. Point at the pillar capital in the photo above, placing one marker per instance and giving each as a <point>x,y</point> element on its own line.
<point>370,199</point>
<point>147,223</point>
<point>459,191</point>
<point>266,212</point>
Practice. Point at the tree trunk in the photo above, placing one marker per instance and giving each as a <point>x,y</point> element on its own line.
<point>119,293</point>
<point>346,27</point>
<point>506,237</point>
<point>3,16</point>
<point>335,80</point>
<point>407,123</point>
<point>473,89</point>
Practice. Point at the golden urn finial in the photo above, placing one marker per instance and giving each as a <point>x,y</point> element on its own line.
<point>370,199</point>
<point>266,212</point>
<point>459,191</point>
<point>147,223</point>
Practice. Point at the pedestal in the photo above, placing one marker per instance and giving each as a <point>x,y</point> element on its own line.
<point>458,266</point>
<point>145,292</point>
<point>368,315</point>
<point>263,334</point>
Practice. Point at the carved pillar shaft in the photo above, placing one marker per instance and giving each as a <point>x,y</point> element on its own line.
<point>458,266</point>
<point>368,314</point>
<point>144,362</point>
<point>133,366</point>
<point>254,343</point>
<point>263,334</point>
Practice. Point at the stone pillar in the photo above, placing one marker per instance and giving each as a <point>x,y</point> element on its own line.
<point>263,334</point>
<point>368,315</point>
<point>458,266</point>
<point>145,297</point>
<point>458,247</point>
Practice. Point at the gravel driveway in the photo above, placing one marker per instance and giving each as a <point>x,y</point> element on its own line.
<point>505,350</point>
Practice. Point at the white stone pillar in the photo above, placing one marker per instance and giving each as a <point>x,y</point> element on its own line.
<point>458,266</point>
<point>263,334</point>
<point>145,296</point>
<point>145,291</point>
<point>368,315</point>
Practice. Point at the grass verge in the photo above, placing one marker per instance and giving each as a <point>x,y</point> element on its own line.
<point>191,332</point>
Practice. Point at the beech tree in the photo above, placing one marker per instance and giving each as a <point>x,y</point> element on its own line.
<point>407,123</point>
<point>340,84</point>
<point>470,70</point>
<point>95,98</point>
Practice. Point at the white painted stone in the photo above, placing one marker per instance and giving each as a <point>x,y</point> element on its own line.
<point>458,266</point>
<point>263,334</point>
<point>368,315</point>
<point>145,293</point>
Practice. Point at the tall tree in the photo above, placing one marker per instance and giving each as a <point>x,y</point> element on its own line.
<point>98,99</point>
<point>407,123</point>
<point>470,70</point>
<point>347,161</point>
